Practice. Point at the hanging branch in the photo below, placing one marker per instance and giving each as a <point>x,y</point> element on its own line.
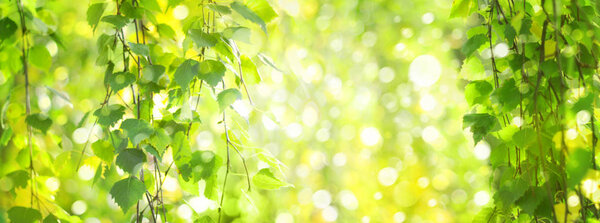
<point>24,55</point>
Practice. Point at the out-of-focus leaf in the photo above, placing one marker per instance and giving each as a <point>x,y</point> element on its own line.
<point>219,8</point>
<point>19,178</point>
<point>578,164</point>
<point>250,72</point>
<point>463,8</point>
<point>39,121</point>
<point>268,61</point>
<point>7,28</point>
<point>249,14</point>
<point>150,5</point>
<point>64,96</point>
<point>227,97</point>
<point>6,135</point>
<point>266,180</point>
<point>263,9</point>
<point>165,31</point>
<point>24,215</point>
<point>40,57</point>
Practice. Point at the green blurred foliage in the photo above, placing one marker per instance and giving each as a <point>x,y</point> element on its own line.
<point>356,104</point>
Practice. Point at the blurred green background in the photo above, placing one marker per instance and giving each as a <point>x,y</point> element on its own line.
<point>364,114</point>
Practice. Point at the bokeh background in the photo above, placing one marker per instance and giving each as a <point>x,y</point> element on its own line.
<point>364,111</point>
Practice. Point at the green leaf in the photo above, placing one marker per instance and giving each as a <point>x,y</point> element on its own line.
<point>237,33</point>
<point>94,13</point>
<point>463,8</point>
<point>39,121</point>
<point>204,219</point>
<point>136,130</point>
<point>139,49</point>
<point>152,73</point>
<point>212,72</point>
<point>109,115</point>
<point>186,72</point>
<point>62,95</point>
<point>118,21</point>
<point>103,150</point>
<point>165,31</point>
<point>129,11</point>
<point>524,137</point>
<point>201,38</point>
<point>250,72</point>
<point>263,9</point>
<point>51,219</point>
<point>24,215</point>
<point>19,178</point>
<point>472,69</point>
<point>7,28</point>
<point>40,57</point>
<point>150,5</point>
<point>478,92</point>
<point>173,3</point>
<point>219,8</point>
<point>160,140</point>
<point>98,174</point>
<point>227,97</point>
<point>249,15</point>
<point>508,94</point>
<point>481,124</point>
<point>473,44</point>
<point>266,180</point>
<point>127,192</point>
<point>120,80</point>
<point>6,135</point>
<point>578,164</point>
<point>131,160</point>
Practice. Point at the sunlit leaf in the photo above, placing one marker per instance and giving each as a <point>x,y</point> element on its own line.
<point>127,192</point>
<point>186,72</point>
<point>201,38</point>
<point>249,15</point>
<point>227,97</point>
<point>40,57</point>
<point>211,71</point>
<point>478,92</point>
<point>266,180</point>
<point>94,13</point>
